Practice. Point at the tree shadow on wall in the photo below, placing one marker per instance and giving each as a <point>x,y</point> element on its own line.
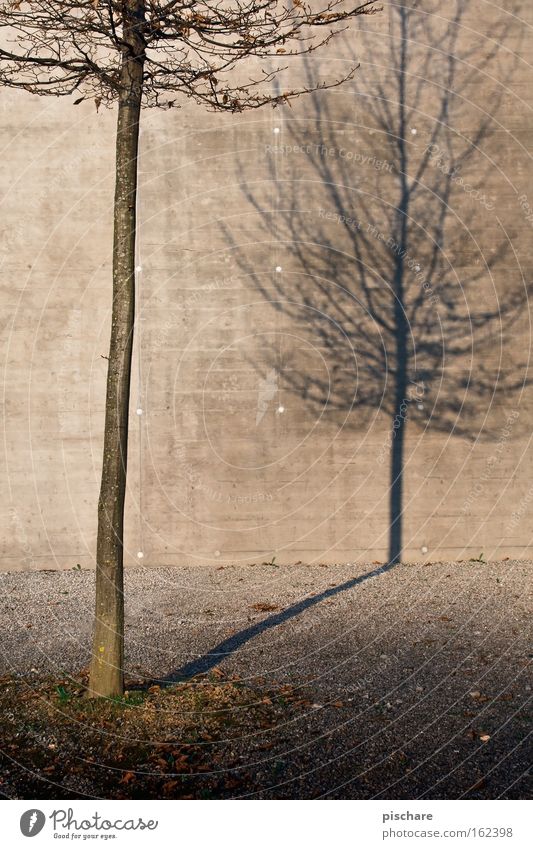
<point>383,271</point>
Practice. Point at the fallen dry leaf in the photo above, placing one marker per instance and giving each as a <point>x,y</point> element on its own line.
<point>478,785</point>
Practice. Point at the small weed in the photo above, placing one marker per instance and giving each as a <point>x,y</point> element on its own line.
<point>479,559</point>
<point>131,698</point>
<point>63,693</point>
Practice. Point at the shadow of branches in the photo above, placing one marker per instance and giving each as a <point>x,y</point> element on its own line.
<point>384,271</point>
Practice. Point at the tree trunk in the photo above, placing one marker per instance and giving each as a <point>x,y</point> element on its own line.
<point>106,673</point>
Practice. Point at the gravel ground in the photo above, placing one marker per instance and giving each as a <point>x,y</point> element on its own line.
<point>418,676</point>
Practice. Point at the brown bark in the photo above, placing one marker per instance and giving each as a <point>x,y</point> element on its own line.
<point>106,672</point>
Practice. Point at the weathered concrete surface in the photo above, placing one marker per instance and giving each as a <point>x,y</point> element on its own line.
<point>267,396</point>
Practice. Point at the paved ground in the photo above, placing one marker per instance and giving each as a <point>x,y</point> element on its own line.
<point>419,676</point>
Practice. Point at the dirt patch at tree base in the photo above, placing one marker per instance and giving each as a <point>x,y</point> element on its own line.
<point>183,741</point>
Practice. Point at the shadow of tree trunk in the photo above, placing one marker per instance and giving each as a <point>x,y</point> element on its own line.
<point>381,269</point>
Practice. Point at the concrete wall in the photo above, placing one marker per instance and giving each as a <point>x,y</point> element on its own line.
<point>268,397</point>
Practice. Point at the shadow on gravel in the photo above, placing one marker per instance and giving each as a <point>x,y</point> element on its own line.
<point>217,654</point>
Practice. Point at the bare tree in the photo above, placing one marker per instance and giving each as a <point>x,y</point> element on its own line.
<point>148,53</point>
